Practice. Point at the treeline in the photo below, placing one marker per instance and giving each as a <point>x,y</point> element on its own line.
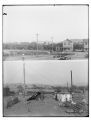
<point>29,46</point>
<point>41,46</point>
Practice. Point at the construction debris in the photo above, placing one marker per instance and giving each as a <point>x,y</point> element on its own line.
<point>11,101</point>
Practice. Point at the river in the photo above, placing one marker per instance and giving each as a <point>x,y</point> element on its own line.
<point>50,72</point>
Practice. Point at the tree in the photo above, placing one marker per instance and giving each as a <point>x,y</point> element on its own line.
<point>78,46</point>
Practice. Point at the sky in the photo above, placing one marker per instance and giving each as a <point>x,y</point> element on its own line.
<point>22,23</point>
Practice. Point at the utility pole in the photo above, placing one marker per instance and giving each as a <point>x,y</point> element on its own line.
<point>37,42</point>
<point>71,79</point>
<point>52,43</point>
<point>67,85</point>
<point>24,74</point>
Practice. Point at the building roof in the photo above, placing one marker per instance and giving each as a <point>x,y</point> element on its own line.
<point>67,40</point>
<point>79,40</point>
<point>74,40</point>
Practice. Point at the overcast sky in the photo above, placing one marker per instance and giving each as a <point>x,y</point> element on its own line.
<point>60,22</point>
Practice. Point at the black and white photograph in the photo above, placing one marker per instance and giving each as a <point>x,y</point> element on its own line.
<point>45,60</point>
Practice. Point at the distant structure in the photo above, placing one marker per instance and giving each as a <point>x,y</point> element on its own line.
<point>47,47</point>
<point>67,45</point>
<point>72,45</point>
<point>85,42</point>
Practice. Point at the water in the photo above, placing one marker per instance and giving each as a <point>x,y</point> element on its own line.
<point>51,72</point>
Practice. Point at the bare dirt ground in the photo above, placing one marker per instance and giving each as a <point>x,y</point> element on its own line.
<point>47,107</point>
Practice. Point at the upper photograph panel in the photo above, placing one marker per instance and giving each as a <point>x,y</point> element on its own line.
<point>45,32</point>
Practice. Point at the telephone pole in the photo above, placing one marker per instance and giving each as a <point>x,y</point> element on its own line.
<point>24,74</point>
<point>37,42</point>
<point>71,79</point>
<point>52,43</point>
<point>67,85</point>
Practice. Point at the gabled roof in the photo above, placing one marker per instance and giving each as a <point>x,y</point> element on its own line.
<point>77,40</point>
<point>67,40</point>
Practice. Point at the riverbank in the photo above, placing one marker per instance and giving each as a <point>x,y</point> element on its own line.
<point>74,56</point>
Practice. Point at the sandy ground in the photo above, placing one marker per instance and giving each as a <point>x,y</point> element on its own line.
<point>46,107</point>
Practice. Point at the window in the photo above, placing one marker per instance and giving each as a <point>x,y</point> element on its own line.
<point>85,43</point>
<point>68,43</point>
<point>64,43</point>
